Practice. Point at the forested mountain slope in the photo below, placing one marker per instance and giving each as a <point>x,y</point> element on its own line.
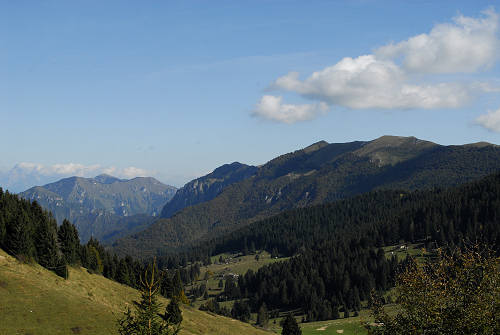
<point>207,187</point>
<point>318,174</point>
<point>103,206</point>
<point>337,248</point>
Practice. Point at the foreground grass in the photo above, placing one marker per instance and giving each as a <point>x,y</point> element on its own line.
<point>35,301</point>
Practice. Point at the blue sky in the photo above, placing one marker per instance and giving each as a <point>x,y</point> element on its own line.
<point>174,89</point>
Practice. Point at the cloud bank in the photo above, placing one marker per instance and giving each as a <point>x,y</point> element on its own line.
<point>395,76</point>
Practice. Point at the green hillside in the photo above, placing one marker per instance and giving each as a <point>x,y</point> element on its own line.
<point>35,301</point>
<point>318,174</point>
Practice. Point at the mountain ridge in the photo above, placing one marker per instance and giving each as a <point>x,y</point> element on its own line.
<point>99,206</point>
<point>207,187</point>
<point>323,173</point>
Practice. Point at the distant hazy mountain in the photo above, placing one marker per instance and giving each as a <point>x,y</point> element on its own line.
<point>19,178</point>
<point>317,174</point>
<point>103,206</point>
<point>207,187</point>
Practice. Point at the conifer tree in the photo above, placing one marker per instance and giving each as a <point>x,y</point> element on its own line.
<point>173,314</point>
<point>69,241</point>
<point>177,287</point>
<point>262,316</point>
<point>290,326</point>
<point>123,274</point>
<point>147,319</point>
<point>46,242</point>
<point>3,229</point>
<point>20,241</point>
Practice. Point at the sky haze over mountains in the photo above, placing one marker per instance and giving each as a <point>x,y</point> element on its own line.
<point>175,89</point>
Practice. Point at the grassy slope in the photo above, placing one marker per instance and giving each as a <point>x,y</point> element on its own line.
<point>235,264</point>
<point>35,301</point>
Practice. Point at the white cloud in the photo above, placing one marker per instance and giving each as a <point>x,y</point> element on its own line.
<point>397,76</point>
<point>486,87</point>
<point>70,169</point>
<point>490,120</point>
<point>366,82</point>
<point>128,172</point>
<point>467,45</point>
<point>271,107</point>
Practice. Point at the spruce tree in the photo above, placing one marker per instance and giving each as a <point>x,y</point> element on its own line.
<point>69,241</point>
<point>3,230</point>
<point>147,319</point>
<point>173,314</point>
<point>262,316</point>
<point>123,273</point>
<point>20,240</point>
<point>177,285</point>
<point>46,242</point>
<point>290,326</point>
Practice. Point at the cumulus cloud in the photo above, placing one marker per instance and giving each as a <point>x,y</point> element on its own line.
<point>467,45</point>
<point>58,169</point>
<point>397,76</point>
<point>366,82</point>
<point>272,108</point>
<point>490,120</point>
<point>128,172</point>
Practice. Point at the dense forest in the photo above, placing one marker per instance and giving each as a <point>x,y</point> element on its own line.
<point>376,219</point>
<point>336,248</point>
<point>31,234</point>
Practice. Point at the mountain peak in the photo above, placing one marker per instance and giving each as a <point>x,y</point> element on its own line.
<point>106,179</point>
<point>315,146</point>
<point>480,145</point>
<point>390,150</point>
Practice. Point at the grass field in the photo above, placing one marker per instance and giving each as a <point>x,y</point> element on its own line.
<point>35,301</point>
<point>350,326</point>
<point>232,264</point>
<point>241,264</point>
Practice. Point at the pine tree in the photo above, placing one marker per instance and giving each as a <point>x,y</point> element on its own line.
<point>177,284</point>
<point>173,314</point>
<point>46,242</point>
<point>262,316</point>
<point>20,241</point>
<point>94,260</point>
<point>3,229</point>
<point>123,273</point>
<point>69,241</point>
<point>290,326</point>
<point>147,319</point>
